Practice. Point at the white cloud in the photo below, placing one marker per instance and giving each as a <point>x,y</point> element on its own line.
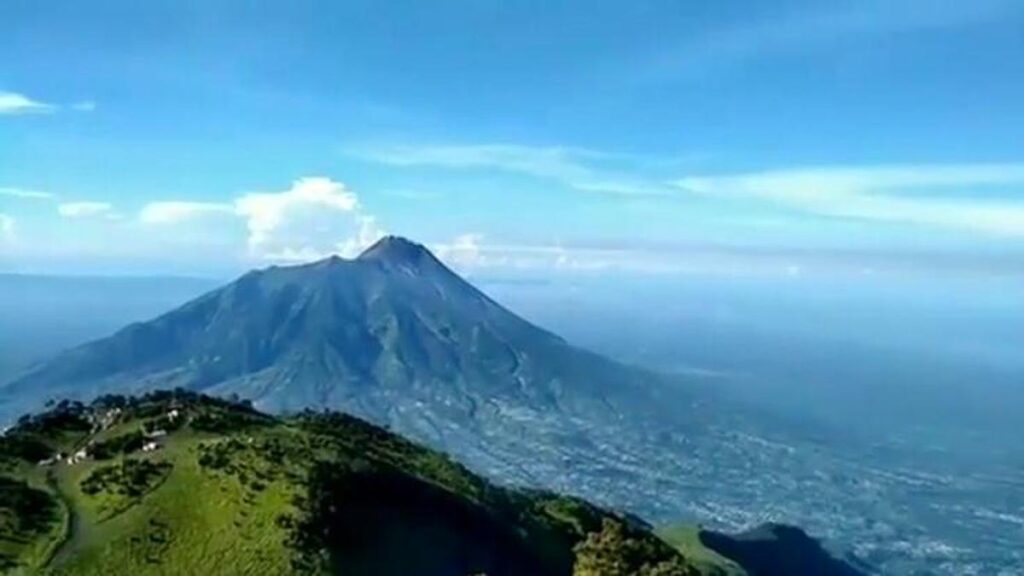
<point>570,166</point>
<point>553,162</point>
<point>86,210</point>
<point>176,212</point>
<point>838,180</point>
<point>473,254</point>
<point>462,251</point>
<point>12,103</point>
<point>368,232</point>
<point>897,194</point>
<point>315,217</point>
<point>469,251</point>
<point>26,194</point>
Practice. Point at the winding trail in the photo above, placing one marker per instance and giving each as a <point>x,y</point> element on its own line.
<point>72,526</point>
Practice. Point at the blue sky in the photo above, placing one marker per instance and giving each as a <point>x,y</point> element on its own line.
<point>209,137</point>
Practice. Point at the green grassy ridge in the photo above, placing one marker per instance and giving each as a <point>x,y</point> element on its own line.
<point>233,491</point>
<point>686,539</point>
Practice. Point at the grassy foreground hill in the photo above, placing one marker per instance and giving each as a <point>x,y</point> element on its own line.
<point>179,483</point>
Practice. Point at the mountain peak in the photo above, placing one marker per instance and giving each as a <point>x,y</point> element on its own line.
<point>396,250</point>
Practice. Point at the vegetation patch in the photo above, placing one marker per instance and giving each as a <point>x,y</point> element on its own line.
<point>120,485</point>
<point>65,416</point>
<point>365,521</point>
<point>255,463</point>
<point>26,447</point>
<point>117,446</point>
<point>26,514</point>
<point>225,421</point>
<point>617,550</point>
<point>686,539</point>
<point>353,437</point>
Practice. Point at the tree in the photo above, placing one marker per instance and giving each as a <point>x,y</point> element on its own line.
<point>613,551</point>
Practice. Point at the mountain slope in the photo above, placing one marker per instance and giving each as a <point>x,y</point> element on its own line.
<point>393,336</point>
<point>344,333</point>
<point>228,490</point>
<point>774,549</point>
<point>767,550</point>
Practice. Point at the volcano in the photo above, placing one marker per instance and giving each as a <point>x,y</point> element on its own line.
<point>394,336</point>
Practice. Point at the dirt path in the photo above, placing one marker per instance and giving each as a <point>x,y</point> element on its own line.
<point>72,526</point>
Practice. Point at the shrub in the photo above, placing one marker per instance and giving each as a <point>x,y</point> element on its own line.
<point>118,445</point>
<point>615,551</point>
<point>130,477</point>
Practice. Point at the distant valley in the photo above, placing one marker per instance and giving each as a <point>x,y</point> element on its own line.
<point>47,314</point>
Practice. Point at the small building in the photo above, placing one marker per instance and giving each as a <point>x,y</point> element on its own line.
<point>150,446</point>
<point>77,457</point>
<point>52,459</point>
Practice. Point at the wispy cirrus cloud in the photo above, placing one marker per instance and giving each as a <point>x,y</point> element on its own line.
<point>474,253</point>
<point>26,194</point>
<point>896,194</point>
<point>576,168</point>
<point>471,251</point>
<point>86,210</point>
<point>902,194</point>
<point>13,103</point>
<point>178,211</point>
